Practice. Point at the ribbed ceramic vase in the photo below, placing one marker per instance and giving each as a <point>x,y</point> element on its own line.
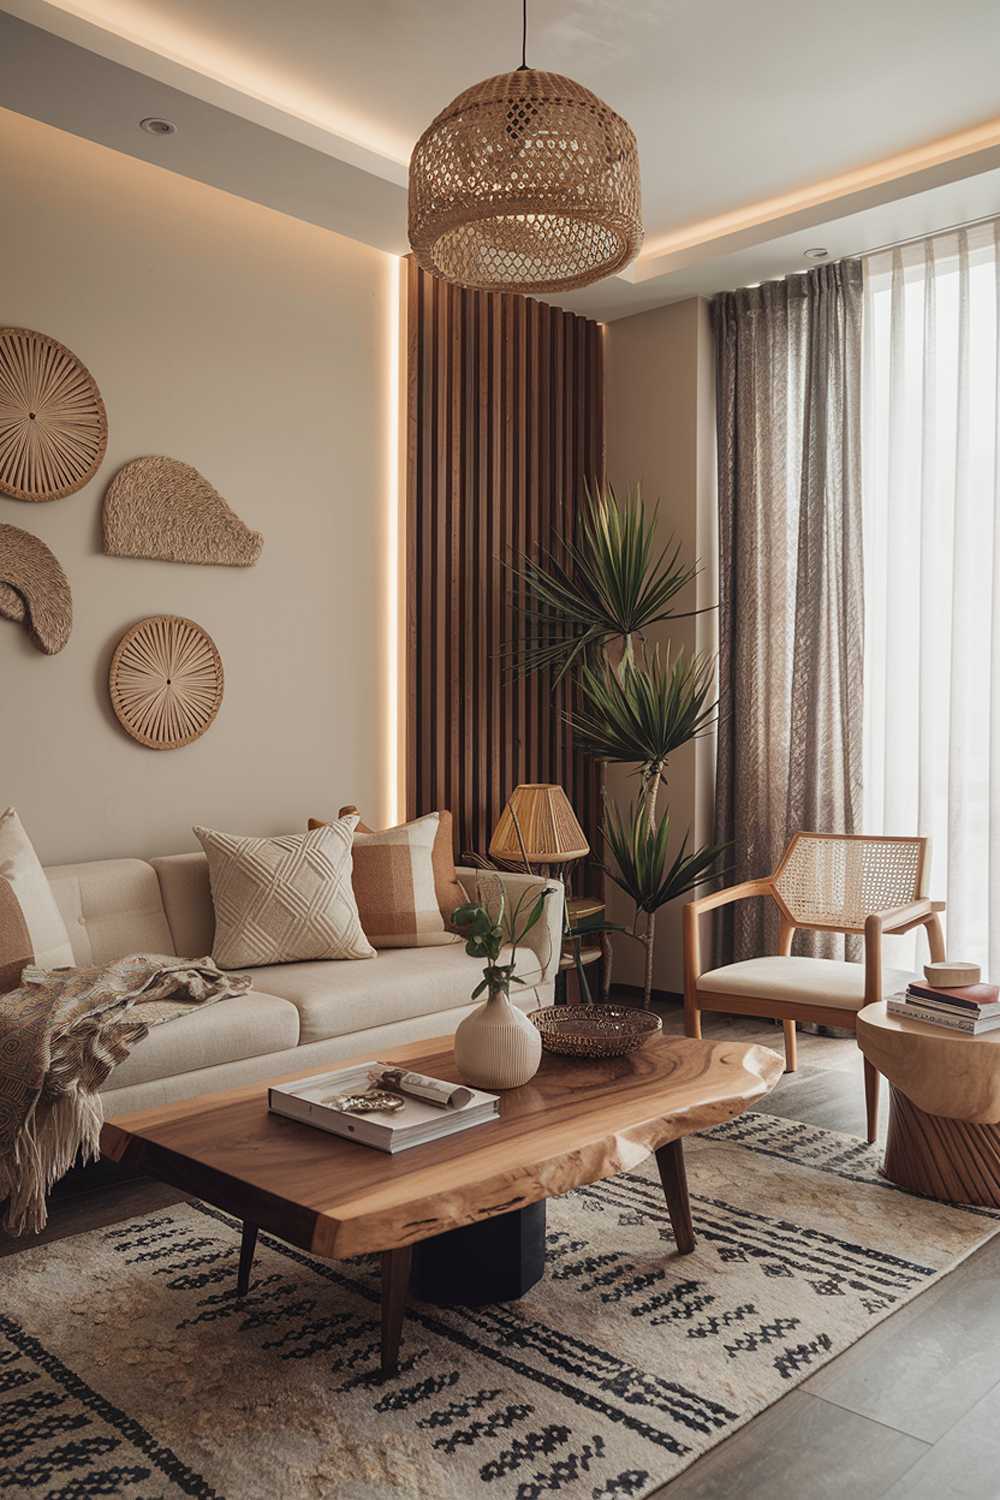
<point>497,1047</point>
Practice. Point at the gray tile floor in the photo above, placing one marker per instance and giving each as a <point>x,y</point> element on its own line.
<point>912,1412</point>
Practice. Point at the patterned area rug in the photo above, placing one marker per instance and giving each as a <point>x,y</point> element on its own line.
<point>128,1367</point>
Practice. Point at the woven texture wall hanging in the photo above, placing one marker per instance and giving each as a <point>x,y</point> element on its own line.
<point>53,426</point>
<point>165,682</point>
<point>164,509</point>
<point>527,182</point>
<point>34,589</point>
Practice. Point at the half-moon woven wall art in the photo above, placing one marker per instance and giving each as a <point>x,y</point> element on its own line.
<point>53,426</point>
<point>166,682</point>
<point>34,589</point>
<point>164,509</point>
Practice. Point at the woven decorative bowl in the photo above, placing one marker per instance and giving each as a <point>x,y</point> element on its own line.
<point>594,1030</point>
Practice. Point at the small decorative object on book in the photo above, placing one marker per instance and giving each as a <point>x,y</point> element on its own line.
<point>344,1103</point>
<point>418,1086</point>
<point>970,1009</point>
<point>952,974</point>
<point>594,1030</point>
<point>497,1047</point>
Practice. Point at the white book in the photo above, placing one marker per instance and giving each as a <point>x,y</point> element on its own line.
<point>309,1101</point>
<point>898,1005</point>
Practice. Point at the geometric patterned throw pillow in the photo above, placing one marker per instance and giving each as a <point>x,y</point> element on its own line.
<point>281,900</point>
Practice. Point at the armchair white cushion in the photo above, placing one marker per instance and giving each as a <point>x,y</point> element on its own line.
<point>812,981</point>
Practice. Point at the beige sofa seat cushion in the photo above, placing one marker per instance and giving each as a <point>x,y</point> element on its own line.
<point>112,907</point>
<point>808,981</point>
<point>250,1025</point>
<point>333,998</point>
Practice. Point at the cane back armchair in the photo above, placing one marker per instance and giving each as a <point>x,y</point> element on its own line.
<point>825,882</point>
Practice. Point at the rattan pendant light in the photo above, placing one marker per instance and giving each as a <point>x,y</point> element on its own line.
<point>527,182</point>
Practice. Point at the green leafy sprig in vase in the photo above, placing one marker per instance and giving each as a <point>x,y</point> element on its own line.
<point>497,1047</point>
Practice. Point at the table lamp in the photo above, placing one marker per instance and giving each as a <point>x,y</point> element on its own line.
<point>538,826</point>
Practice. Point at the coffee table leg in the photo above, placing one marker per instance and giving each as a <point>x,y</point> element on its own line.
<point>670,1160</point>
<point>395,1285</point>
<point>247,1247</point>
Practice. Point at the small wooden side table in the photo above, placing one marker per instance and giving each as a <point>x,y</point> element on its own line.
<point>585,917</point>
<point>944,1120</point>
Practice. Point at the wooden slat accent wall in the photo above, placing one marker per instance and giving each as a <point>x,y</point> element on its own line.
<point>505,423</point>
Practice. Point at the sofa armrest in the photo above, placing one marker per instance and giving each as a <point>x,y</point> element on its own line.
<point>546,937</point>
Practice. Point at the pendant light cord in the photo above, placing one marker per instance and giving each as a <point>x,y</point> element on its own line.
<point>524,37</point>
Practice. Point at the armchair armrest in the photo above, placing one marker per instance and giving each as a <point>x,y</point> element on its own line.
<point>740,892</point>
<point>546,937</point>
<point>898,919</point>
<point>689,924</point>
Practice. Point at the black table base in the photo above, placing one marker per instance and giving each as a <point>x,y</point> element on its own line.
<point>497,1260</point>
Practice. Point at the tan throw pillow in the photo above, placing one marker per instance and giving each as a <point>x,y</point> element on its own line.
<point>405,882</point>
<point>31,927</point>
<point>280,900</point>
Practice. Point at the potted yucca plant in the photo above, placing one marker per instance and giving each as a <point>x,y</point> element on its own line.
<point>588,617</point>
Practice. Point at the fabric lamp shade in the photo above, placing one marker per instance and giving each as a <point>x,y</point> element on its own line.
<point>548,827</point>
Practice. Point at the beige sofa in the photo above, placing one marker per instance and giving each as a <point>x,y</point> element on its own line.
<point>303,1014</point>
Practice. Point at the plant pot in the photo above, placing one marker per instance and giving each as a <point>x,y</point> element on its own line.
<point>497,1047</point>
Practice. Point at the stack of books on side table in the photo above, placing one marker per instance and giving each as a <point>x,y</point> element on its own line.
<point>973,1009</point>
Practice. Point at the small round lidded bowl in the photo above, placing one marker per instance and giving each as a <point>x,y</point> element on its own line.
<point>952,975</point>
<point>594,1030</point>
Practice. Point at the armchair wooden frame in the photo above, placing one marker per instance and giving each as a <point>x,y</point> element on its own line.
<point>918,912</point>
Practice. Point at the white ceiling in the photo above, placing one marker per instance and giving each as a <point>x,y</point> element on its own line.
<point>313,106</point>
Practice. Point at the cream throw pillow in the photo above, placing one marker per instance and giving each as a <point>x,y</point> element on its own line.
<point>29,917</point>
<point>280,900</point>
<point>405,882</point>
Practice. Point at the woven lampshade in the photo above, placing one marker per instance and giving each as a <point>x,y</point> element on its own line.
<point>527,182</point>
<point>548,826</point>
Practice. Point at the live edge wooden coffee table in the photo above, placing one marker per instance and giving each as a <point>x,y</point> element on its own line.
<point>474,1203</point>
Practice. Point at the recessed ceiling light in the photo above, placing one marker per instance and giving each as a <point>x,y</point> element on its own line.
<point>153,125</point>
<point>816,254</point>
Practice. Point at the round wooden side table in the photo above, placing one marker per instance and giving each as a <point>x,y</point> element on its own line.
<point>944,1120</point>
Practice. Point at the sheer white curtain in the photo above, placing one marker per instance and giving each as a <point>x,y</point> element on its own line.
<point>931,444</point>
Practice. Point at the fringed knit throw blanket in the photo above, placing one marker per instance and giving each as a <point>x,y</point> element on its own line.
<point>61,1033</point>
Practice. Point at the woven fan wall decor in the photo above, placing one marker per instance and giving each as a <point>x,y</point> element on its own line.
<point>161,508</point>
<point>53,426</point>
<point>166,682</point>
<point>34,589</point>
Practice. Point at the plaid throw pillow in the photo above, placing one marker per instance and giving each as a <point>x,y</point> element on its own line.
<point>405,882</point>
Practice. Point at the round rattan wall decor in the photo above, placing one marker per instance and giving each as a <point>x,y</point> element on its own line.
<point>53,426</point>
<point>166,682</point>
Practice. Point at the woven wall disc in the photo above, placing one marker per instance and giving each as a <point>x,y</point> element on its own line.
<point>165,682</point>
<point>53,426</point>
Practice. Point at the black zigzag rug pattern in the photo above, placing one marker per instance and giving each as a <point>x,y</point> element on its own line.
<point>129,1367</point>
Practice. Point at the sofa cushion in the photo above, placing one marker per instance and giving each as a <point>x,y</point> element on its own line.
<point>404,881</point>
<point>32,926</point>
<point>250,1025</point>
<point>112,907</point>
<point>809,981</point>
<point>333,998</point>
<point>186,892</point>
<point>283,899</point>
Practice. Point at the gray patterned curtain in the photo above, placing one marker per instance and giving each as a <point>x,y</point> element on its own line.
<point>791,577</point>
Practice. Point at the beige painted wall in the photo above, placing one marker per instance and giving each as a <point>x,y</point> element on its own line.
<point>258,349</point>
<point>661,435</point>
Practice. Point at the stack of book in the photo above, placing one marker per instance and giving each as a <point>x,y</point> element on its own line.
<point>429,1107</point>
<point>973,1009</point>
